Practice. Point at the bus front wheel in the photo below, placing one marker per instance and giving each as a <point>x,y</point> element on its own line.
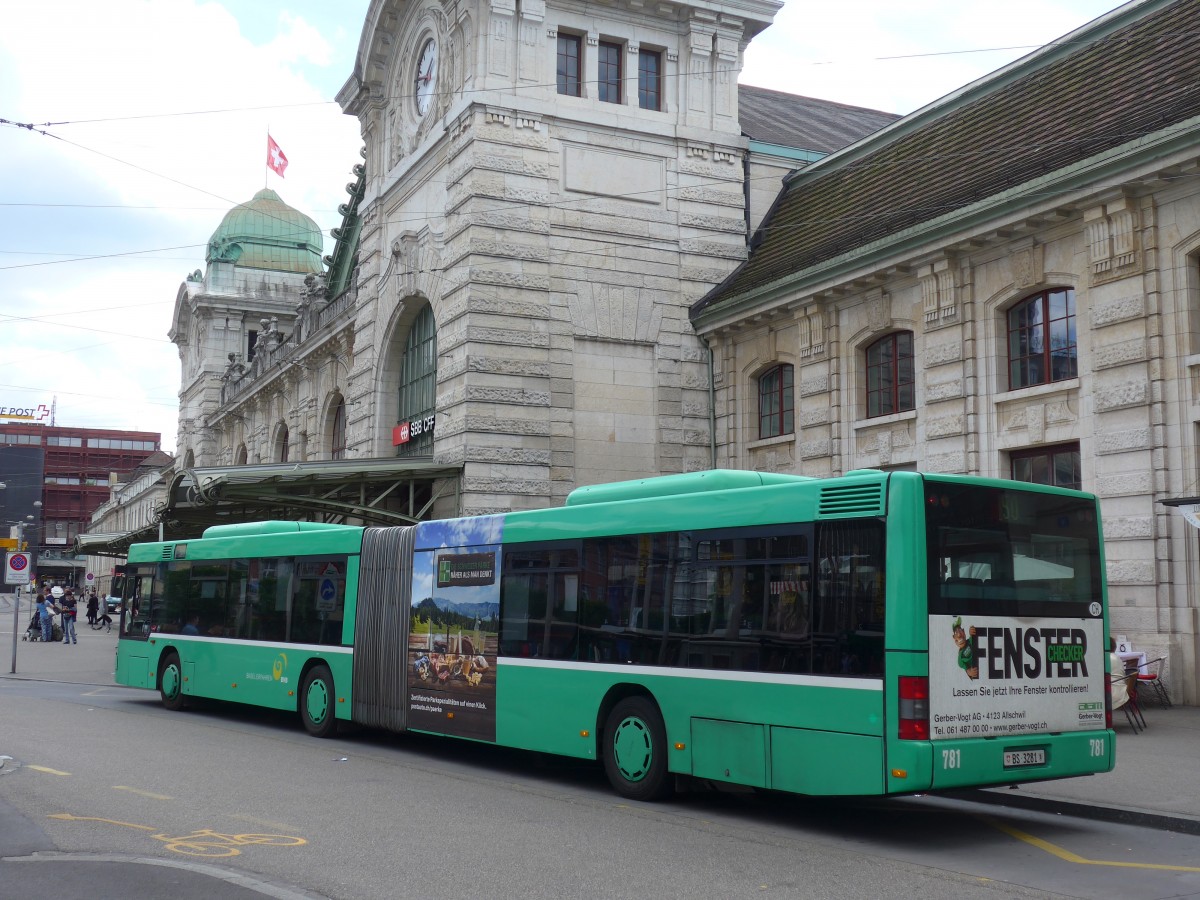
<point>317,703</point>
<point>635,750</point>
<point>170,682</point>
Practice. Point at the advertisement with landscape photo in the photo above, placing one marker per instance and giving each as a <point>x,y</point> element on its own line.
<point>455,616</point>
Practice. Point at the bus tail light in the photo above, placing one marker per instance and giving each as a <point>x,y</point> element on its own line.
<point>1108,703</point>
<point>914,708</point>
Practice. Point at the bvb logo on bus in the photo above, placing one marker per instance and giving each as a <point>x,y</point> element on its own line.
<point>279,667</point>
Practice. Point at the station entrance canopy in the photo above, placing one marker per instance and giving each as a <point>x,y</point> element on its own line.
<point>382,492</point>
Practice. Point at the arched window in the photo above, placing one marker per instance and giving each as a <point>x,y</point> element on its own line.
<point>775,405</point>
<point>1042,339</point>
<point>337,430</point>
<point>239,458</point>
<point>280,450</point>
<point>418,382</point>
<point>890,375</point>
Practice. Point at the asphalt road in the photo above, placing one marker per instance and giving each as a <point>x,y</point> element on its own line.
<point>106,794</point>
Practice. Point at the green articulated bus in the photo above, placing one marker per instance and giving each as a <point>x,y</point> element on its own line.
<point>874,633</point>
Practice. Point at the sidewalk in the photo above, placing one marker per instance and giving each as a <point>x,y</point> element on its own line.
<point>91,661</point>
<point>1153,783</point>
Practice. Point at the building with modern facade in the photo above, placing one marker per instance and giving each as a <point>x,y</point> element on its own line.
<point>1004,283</point>
<point>70,471</point>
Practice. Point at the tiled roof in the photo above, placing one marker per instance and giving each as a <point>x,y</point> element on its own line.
<point>1127,75</point>
<point>774,117</point>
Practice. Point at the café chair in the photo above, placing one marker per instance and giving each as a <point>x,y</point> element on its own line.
<point>1150,675</point>
<point>1124,696</point>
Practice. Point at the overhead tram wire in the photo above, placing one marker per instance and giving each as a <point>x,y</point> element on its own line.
<point>543,86</point>
<point>233,204</point>
<point>559,204</point>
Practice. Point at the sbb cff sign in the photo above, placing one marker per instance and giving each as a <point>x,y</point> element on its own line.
<point>414,428</point>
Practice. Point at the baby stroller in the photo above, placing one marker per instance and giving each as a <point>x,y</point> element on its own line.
<point>34,631</point>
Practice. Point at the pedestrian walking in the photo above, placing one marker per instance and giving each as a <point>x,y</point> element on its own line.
<point>93,607</point>
<point>70,609</point>
<point>49,611</point>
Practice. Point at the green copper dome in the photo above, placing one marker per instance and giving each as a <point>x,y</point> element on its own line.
<point>266,233</point>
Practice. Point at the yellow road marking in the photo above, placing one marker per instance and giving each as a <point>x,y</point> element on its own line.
<point>1068,856</point>
<point>47,771</point>
<point>67,817</point>
<point>141,793</point>
<point>266,823</point>
<point>202,842</point>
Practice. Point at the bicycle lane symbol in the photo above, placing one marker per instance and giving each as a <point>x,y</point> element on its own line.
<point>202,842</point>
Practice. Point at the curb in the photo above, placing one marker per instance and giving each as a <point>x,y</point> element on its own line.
<point>1118,814</point>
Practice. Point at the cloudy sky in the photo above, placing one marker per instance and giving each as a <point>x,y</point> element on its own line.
<point>150,120</point>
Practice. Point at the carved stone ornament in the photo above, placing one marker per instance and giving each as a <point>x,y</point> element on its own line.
<point>879,309</point>
<point>1027,266</point>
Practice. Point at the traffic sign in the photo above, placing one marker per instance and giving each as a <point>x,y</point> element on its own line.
<point>327,595</point>
<point>18,566</point>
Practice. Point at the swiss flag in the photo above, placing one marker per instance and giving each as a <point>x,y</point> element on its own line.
<point>276,161</point>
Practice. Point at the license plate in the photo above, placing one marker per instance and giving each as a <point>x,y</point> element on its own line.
<point>1014,758</point>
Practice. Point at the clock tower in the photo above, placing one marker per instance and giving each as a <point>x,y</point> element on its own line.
<point>549,185</point>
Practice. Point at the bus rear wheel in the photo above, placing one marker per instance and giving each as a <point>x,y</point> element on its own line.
<point>317,703</point>
<point>635,750</point>
<point>170,682</point>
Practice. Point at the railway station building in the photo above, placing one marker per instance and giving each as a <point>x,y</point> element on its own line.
<point>1005,283</point>
<point>552,273</point>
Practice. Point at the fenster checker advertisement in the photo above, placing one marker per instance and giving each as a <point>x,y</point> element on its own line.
<point>1001,675</point>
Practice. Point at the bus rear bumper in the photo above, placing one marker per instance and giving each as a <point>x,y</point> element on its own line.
<point>979,762</point>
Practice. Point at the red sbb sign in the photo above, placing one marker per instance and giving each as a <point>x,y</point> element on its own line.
<point>406,431</point>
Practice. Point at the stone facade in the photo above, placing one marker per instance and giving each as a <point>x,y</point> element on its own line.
<point>1123,232</point>
<point>130,509</point>
<point>558,240</point>
<point>1134,409</point>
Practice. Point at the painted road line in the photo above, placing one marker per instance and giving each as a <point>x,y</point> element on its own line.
<point>1068,856</point>
<point>202,842</point>
<point>67,817</point>
<point>49,771</point>
<point>141,793</point>
<point>266,823</point>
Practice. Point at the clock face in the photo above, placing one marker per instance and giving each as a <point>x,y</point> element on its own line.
<point>426,78</point>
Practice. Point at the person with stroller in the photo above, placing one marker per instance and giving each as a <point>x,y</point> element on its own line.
<point>34,630</point>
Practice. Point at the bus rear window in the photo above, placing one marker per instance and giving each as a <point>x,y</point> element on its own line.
<point>1017,552</point>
